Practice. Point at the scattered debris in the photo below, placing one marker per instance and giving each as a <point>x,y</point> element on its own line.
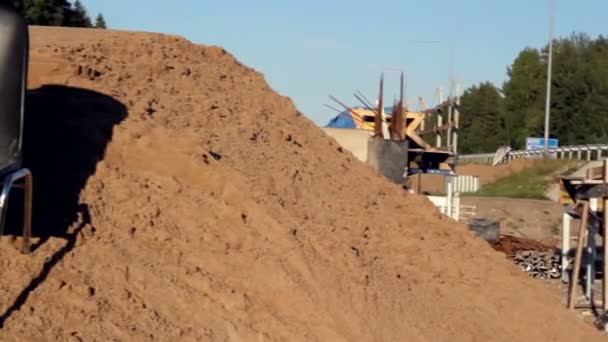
<point>510,245</point>
<point>540,265</point>
<point>537,259</point>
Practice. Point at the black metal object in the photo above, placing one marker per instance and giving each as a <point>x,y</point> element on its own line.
<point>597,191</point>
<point>423,161</point>
<point>583,191</point>
<point>14,55</point>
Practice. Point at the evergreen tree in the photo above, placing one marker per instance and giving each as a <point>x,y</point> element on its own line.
<point>525,97</point>
<point>100,22</point>
<point>483,124</point>
<point>43,12</point>
<point>579,98</point>
<point>580,89</point>
<point>53,12</point>
<point>79,16</point>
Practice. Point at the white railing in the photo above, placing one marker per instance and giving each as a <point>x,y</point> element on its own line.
<point>463,183</point>
<point>579,152</point>
<point>454,210</point>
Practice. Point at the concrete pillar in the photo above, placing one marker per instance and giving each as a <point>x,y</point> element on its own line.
<point>389,158</point>
<point>589,155</point>
<point>599,154</point>
<point>578,154</point>
<point>570,154</point>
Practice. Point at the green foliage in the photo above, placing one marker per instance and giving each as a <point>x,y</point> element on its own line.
<point>44,12</point>
<point>483,125</point>
<point>580,88</point>
<point>579,98</point>
<point>54,13</point>
<point>525,97</point>
<point>79,16</point>
<point>532,182</point>
<point>100,22</point>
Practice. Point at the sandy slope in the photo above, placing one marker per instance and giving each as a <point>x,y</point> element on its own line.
<point>195,204</point>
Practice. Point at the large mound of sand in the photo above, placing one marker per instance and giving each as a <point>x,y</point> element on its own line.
<point>179,199</point>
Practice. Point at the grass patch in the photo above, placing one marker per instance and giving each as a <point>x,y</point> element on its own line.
<point>530,183</point>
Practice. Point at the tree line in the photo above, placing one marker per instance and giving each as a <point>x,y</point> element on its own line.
<point>57,13</point>
<point>493,116</point>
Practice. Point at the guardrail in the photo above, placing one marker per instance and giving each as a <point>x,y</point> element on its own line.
<point>579,152</point>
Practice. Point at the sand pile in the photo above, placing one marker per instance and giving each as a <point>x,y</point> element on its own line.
<point>192,203</point>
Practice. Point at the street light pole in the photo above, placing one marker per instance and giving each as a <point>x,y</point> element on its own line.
<point>549,67</point>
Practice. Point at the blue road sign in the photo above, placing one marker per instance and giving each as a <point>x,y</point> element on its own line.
<point>539,143</point>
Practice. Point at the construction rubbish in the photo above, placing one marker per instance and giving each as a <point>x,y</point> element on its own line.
<point>535,258</point>
<point>182,199</point>
<point>539,265</point>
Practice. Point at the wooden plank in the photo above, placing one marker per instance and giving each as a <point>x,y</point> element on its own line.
<point>441,128</point>
<point>398,117</point>
<point>582,236</point>
<point>413,126</point>
<point>414,115</point>
<point>587,181</point>
<point>592,219</point>
<point>419,141</point>
<point>410,130</point>
<point>595,172</point>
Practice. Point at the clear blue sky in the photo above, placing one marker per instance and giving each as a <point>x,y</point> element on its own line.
<point>309,49</point>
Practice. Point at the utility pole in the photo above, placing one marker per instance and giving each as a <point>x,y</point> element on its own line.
<point>549,66</point>
<point>452,81</point>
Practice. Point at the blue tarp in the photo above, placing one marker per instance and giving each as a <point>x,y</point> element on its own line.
<point>343,120</point>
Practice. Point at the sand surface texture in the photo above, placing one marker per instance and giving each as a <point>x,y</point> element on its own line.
<point>180,199</point>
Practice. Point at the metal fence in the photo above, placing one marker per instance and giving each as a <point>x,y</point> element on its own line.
<point>578,152</point>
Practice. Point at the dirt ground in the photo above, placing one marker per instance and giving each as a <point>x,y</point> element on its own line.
<point>179,198</point>
<point>489,174</point>
<point>533,219</point>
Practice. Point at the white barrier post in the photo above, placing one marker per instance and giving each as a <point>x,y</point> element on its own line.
<point>566,220</point>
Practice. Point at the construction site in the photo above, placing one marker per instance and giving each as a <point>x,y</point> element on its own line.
<point>159,190</point>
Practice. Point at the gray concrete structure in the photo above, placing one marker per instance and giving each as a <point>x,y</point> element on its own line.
<point>353,140</point>
<point>389,158</point>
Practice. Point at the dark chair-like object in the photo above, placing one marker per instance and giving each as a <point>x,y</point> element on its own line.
<point>14,55</point>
